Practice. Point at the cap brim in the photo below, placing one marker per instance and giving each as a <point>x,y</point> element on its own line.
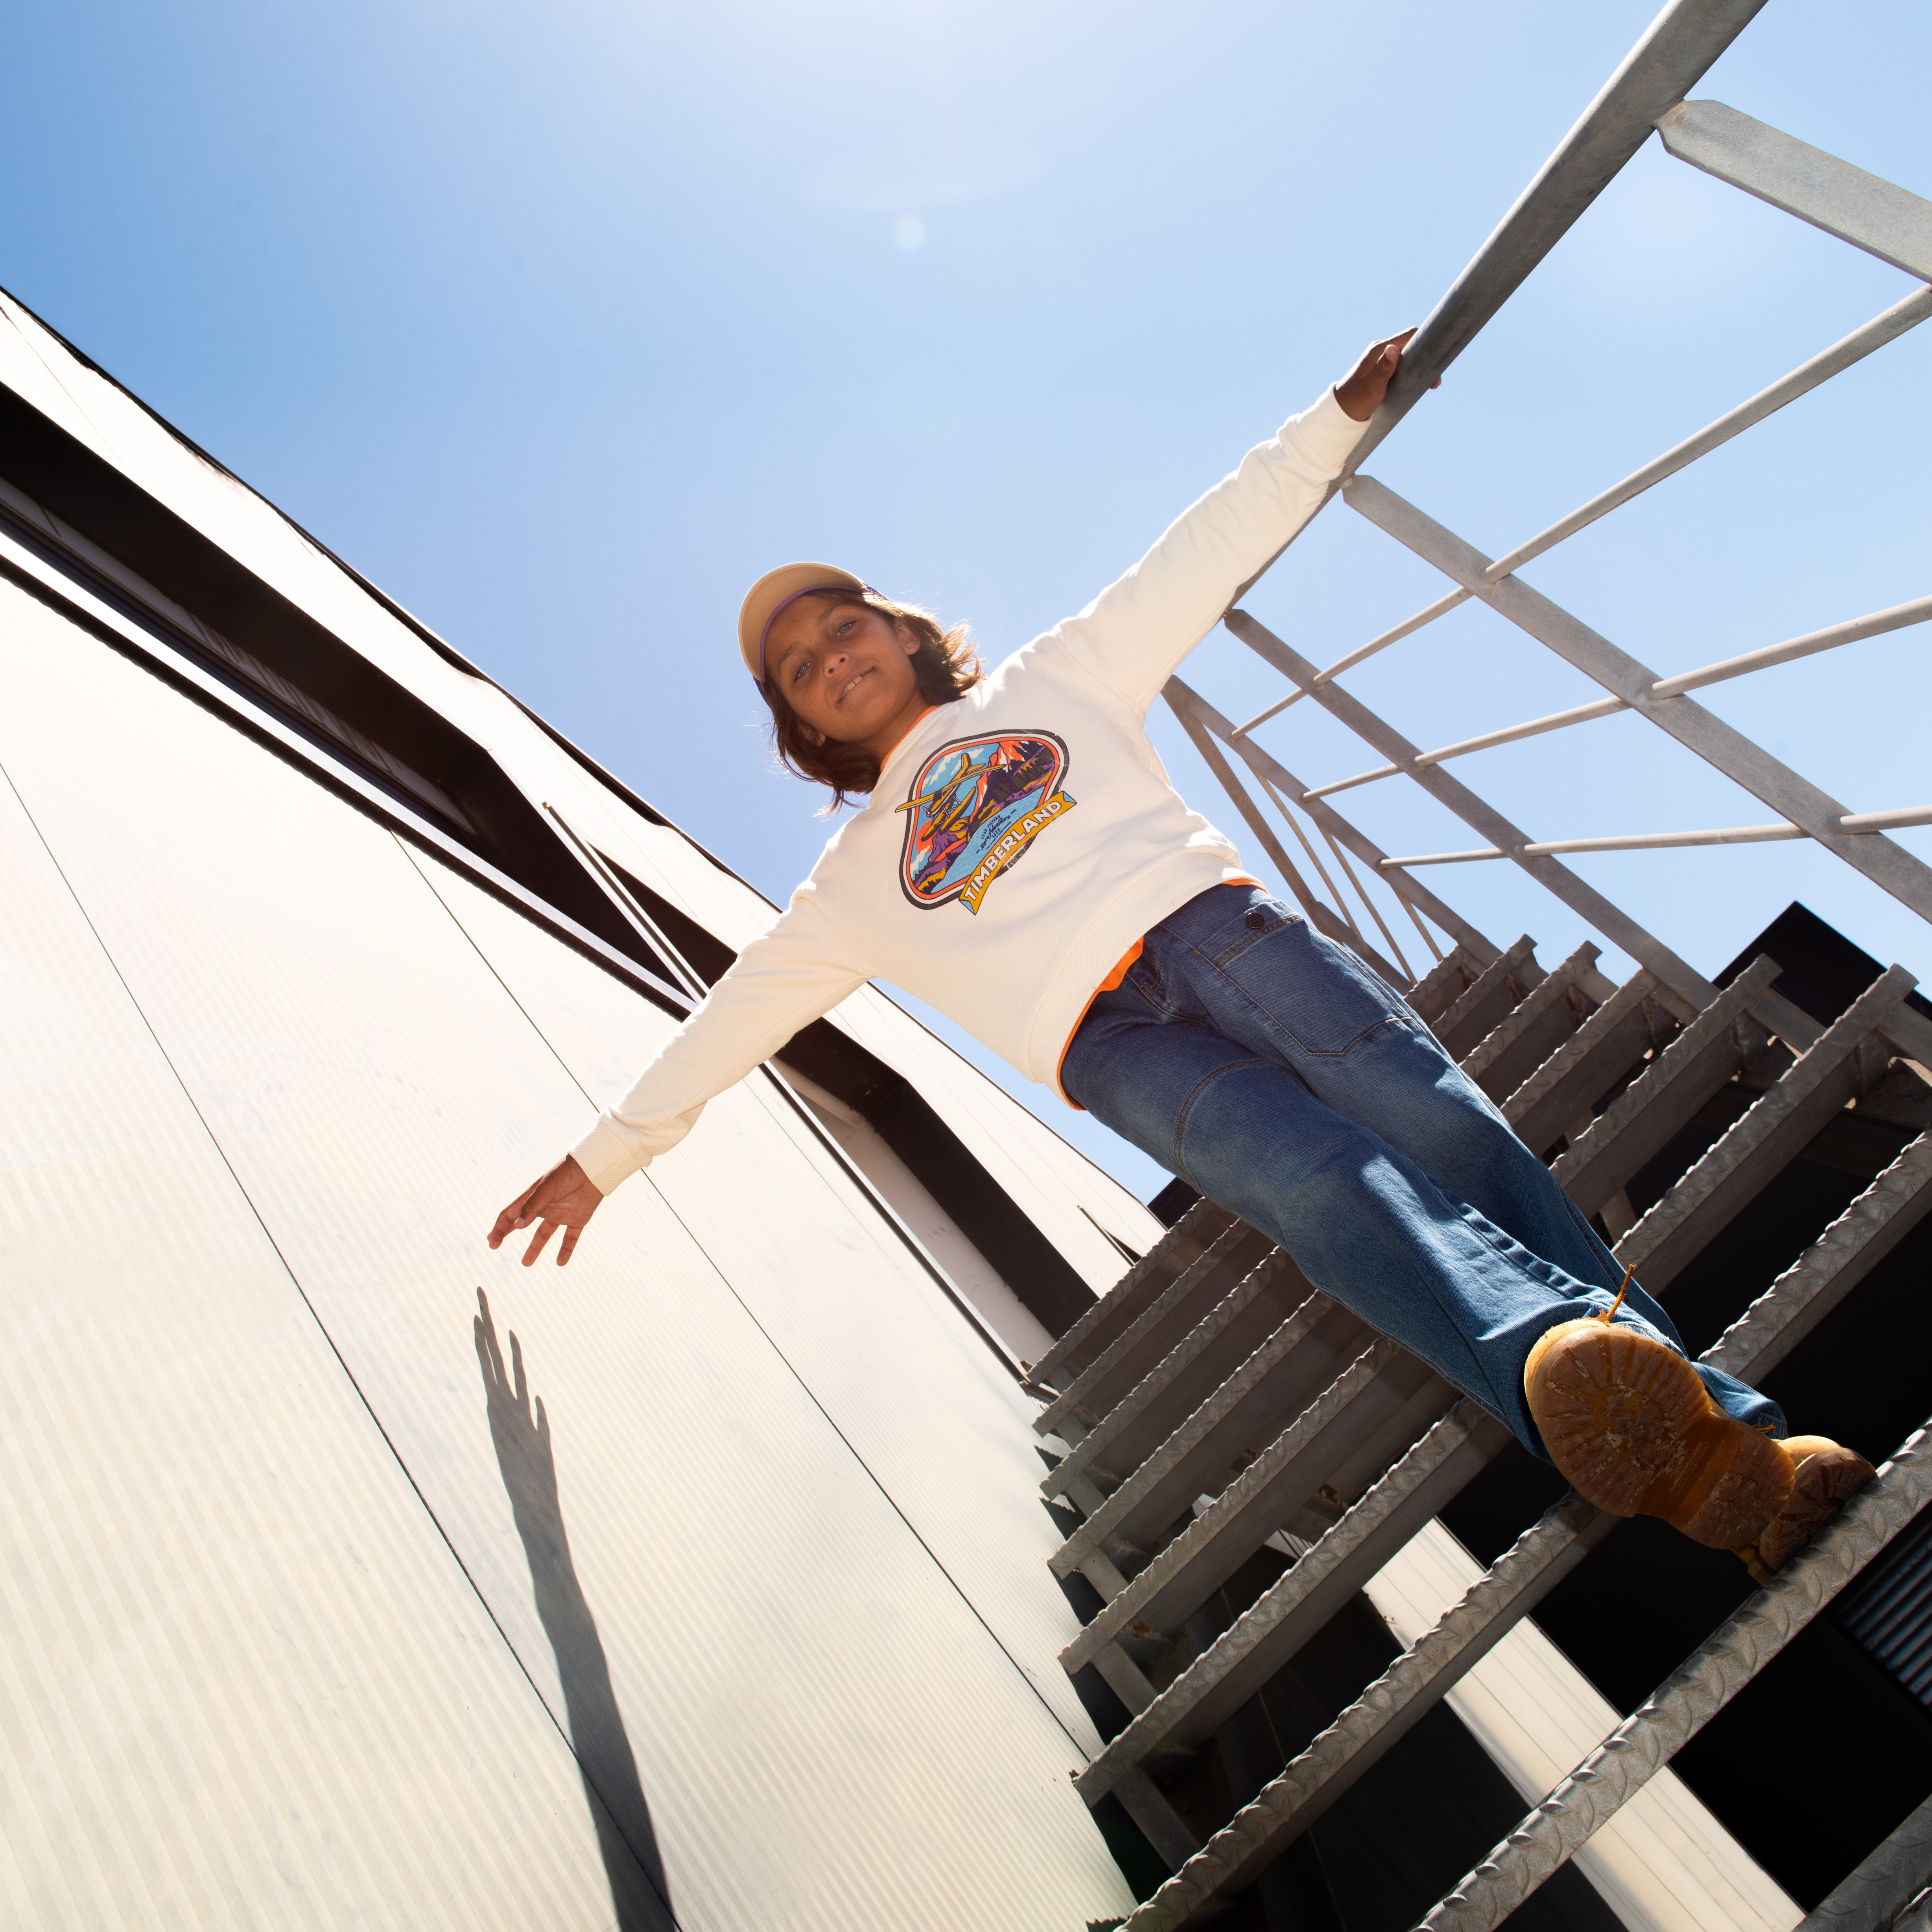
<point>773,590</point>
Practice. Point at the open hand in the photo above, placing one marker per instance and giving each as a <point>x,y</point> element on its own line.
<point>565,1198</point>
<point>1360,391</point>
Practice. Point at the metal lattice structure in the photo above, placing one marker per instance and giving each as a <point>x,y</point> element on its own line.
<point>1645,95</point>
<point>1215,1404</point>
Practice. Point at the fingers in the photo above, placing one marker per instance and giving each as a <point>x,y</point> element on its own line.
<point>487,1351</point>
<point>517,1215</point>
<point>564,1199</point>
<point>521,1387</point>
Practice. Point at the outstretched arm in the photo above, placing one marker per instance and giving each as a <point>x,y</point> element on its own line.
<point>1132,635</point>
<point>780,982</point>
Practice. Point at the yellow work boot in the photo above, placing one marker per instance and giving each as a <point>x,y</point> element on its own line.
<point>1631,1427</point>
<point>1823,1476</point>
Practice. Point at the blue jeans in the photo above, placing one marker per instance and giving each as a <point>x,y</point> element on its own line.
<point>1269,1068</point>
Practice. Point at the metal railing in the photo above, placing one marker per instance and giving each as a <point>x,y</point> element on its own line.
<point>1646,94</point>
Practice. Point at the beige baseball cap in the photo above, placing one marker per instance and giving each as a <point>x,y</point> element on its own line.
<point>772,593</point>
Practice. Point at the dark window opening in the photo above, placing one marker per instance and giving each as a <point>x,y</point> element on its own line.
<point>93,523</point>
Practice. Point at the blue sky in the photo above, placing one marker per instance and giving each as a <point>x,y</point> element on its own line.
<point>562,323</point>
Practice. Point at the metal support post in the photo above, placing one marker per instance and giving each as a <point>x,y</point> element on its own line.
<point>1869,212</point>
<point>1271,771</point>
<point>1615,924</point>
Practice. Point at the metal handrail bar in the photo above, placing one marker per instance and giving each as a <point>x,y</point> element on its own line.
<point>1882,328</point>
<point>1677,49</point>
<point>1675,52</point>
<point>1186,703</point>
<point>1851,632</point>
<point>1888,327</point>
<point>1604,707</point>
<point>1853,824</point>
<point>1896,871</point>
<point>1341,863</point>
<point>1348,785</point>
<point>1406,628</point>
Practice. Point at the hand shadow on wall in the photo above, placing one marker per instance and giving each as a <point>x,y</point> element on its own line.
<point>625,1836</point>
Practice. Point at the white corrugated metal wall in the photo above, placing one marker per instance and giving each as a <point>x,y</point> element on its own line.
<point>268,1072</point>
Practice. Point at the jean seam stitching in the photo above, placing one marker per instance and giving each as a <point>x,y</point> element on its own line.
<point>1275,1020</point>
<point>1186,1109</point>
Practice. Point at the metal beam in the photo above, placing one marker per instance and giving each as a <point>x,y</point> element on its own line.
<point>1614,924</point>
<point>1865,210</point>
<point>1676,52</point>
<point>1272,771</point>
<point>1224,773</point>
<point>1673,55</point>
<point>1690,1697</point>
<point>1908,879</point>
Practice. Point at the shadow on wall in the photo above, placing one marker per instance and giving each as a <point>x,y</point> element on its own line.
<point>625,1836</point>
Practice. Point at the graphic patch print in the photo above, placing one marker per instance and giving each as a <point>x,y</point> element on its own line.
<point>976,806</point>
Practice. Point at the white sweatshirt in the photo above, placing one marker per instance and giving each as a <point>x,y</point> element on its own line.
<point>1019,841</point>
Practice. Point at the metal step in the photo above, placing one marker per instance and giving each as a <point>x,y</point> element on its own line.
<point>1500,987</point>
<point>1424,1673</point>
<point>1176,1250</point>
<point>1212,1349</point>
<point>1720,1043</point>
<point>1243,1660</point>
<point>1830,1267</point>
<point>1444,984</point>
<point>1164,1321</point>
<point>1688,1699</point>
<point>1848,1058</point>
<point>1282,1384</point>
<point>1641,1017</point>
<point>1874,1897</point>
<point>1525,1037</point>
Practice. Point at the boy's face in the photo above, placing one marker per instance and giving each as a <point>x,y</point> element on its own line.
<point>845,669</point>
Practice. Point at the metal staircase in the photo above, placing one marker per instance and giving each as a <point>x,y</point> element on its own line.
<point>1219,1419</point>
<point>1214,1403</point>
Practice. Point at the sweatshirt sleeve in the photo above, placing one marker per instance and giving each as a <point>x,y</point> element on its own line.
<point>1132,635</point>
<point>783,981</point>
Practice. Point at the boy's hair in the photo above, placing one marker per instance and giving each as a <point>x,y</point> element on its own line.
<point>945,664</point>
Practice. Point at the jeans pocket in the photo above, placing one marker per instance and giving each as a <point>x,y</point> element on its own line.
<point>1316,992</point>
<point>1145,977</point>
